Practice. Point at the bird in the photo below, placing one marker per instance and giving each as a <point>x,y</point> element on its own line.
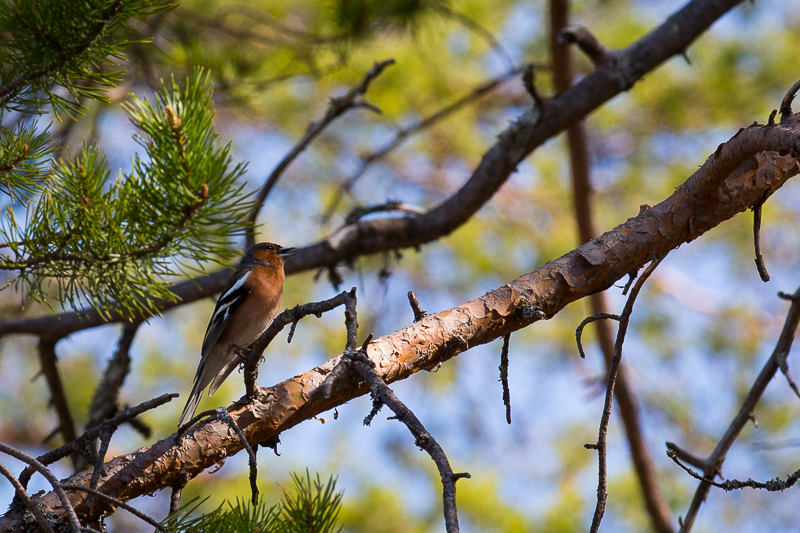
<point>243,312</point>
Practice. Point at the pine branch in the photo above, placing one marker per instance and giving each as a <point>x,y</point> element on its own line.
<point>54,43</point>
<point>92,240</point>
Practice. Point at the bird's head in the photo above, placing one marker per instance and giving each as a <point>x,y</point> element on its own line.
<point>266,254</point>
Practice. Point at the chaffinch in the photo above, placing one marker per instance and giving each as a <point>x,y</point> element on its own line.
<point>244,310</point>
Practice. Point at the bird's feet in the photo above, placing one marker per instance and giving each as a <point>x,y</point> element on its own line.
<point>239,350</point>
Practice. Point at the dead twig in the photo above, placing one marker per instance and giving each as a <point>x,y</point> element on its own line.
<point>685,456</point>
<point>586,321</point>
<point>711,466</point>
<point>336,108</point>
<point>177,491</point>
<point>419,312</point>
<point>423,438</point>
<point>84,440</point>
<point>602,491</point>
<point>529,81</point>
<point>786,103</point>
<point>410,130</point>
<point>49,363</point>
<point>773,485</point>
<point>504,376</point>
<point>135,512</point>
<point>222,415</point>
<point>582,192</point>
<point>289,316</point>
<point>383,395</point>
<point>760,266</point>
<point>48,475</point>
<point>23,496</point>
<point>587,42</point>
<point>339,371</point>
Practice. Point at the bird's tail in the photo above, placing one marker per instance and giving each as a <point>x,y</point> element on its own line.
<point>191,403</point>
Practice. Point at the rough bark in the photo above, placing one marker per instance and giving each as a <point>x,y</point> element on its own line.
<point>517,142</point>
<point>704,201</point>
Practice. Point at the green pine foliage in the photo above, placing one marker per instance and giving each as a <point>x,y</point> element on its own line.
<point>360,18</point>
<point>312,507</point>
<point>73,232</point>
<point>48,44</point>
<point>23,153</point>
<point>116,241</point>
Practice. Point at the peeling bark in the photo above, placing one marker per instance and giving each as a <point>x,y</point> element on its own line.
<point>704,201</point>
<point>522,137</point>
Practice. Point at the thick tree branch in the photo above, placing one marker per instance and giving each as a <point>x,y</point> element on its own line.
<point>515,143</point>
<point>704,201</point>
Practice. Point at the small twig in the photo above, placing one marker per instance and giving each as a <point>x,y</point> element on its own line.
<point>504,376</point>
<point>410,130</point>
<point>119,503</point>
<point>587,42</point>
<point>587,321</point>
<point>106,397</point>
<point>602,490</point>
<point>289,316</point>
<point>105,440</point>
<point>773,485</point>
<point>292,329</point>
<point>760,266</point>
<point>631,278</point>
<point>177,491</point>
<point>221,414</point>
<point>419,312</point>
<point>140,426</point>
<point>424,440</point>
<point>175,498</point>
<point>771,120</point>
<point>786,103</point>
<point>81,442</point>
<point>529,80</point>
<point>687,457</point>
<point>360,212</point>
<point>714,463</point>
<point>23,496</point>
<point>783,364</point>
<point>336,108</point>
<point>343,366</point>
<point>383,395</point>
<point>48,475</point>
<point>49,363</point>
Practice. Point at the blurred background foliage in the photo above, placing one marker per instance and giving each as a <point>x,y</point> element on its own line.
<point>701,331</point>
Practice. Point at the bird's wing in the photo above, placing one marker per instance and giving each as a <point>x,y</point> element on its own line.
<point>231,300</point>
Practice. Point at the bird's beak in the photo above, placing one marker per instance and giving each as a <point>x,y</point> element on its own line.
<point>285,252</point>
